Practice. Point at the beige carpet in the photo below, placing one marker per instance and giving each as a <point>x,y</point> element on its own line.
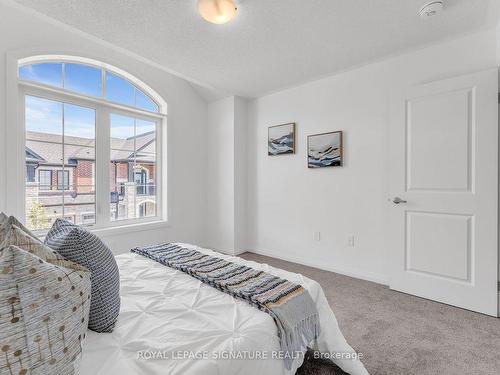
<point>400,334</point>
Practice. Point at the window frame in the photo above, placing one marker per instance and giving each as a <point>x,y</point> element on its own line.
<point>92,216</point>
<point>142,188</point>
<point>47,187</point>
<point>104,108</point>
<point>64,186</point>
<point>29,169</point>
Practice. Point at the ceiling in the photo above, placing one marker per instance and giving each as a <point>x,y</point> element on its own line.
<point>271,44</point>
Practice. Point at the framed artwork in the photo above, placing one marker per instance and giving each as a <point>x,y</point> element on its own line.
<point>324,150</point>
<point>281,139</point>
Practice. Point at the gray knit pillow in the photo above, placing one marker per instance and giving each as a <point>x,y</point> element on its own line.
<point>83,247</point>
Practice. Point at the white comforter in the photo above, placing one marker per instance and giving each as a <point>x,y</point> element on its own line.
<point>171,323</point>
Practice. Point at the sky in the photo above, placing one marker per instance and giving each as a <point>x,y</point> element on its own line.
<point>43,115</point>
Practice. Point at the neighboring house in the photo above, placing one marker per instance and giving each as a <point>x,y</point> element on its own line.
<point>55,180</point>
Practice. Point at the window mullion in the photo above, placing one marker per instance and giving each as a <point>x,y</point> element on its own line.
<point>102,162</point>
<point>63,192</point>
<point>161,166</point>
<point>103,83</point>
<point>134,168</point>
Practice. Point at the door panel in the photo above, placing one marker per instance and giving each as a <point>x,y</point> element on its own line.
<point>433,239</point>
<point>439,141</point>
<point>444,147</point>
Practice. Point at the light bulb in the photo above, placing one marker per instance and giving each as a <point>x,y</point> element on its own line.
<point>217,11</point>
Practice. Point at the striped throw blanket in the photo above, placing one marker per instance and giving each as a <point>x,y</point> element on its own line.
<point>289,304</point>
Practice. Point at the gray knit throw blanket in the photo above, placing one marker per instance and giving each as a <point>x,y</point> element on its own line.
<point>289,304</point>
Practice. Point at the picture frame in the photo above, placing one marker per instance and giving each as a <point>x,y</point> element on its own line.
<point>281,139</point>
<point>325,150</point>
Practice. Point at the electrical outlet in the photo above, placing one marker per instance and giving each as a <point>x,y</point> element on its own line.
<point>317,236</point>
<point>350,241</point>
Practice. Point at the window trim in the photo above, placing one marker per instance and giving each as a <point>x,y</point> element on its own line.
<point>104,108</point>
<point>89,99</point>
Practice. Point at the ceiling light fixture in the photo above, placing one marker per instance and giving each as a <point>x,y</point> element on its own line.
<point>217,11</point>
<point>431,9</point>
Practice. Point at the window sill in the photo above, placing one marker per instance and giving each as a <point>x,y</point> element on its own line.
<point>128,228</point>
<point>120,229</point>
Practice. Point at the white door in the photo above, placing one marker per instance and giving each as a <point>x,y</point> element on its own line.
<point>443,205</point>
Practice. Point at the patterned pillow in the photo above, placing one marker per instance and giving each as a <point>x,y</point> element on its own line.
<point>11,220</point>
<point>85,248</point>
<point>3,221</point>
<point>17,237</point>
<point>44,307</point>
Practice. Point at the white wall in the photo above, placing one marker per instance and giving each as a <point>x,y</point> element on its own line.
<point>26,34</point>
<point>498,64</point>
<point>240,173</point>
<point>498,44</point>
<point>227,175</point>
<point>220,176</point>
<point>287,202</point>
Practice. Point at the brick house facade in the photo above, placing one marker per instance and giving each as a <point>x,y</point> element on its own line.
<point>71,191</point>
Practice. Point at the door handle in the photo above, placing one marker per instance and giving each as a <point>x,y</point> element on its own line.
<point>398,200</point>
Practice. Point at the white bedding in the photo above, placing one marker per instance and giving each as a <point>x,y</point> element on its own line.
<point>166,312</point>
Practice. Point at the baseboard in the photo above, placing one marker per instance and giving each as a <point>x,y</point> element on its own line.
<point>239,252</point>
<point>223,251</point>
<point>373,277</point>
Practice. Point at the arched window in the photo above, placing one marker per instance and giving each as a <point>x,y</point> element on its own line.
<point>88,80</point>
<point>93,150</point>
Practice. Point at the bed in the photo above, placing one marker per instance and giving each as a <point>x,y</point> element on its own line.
<point>171,323</point>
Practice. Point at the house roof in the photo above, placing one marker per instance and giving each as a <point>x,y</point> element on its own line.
<point>48,149</point>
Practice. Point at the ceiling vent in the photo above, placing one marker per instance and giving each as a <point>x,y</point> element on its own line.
<point>431,9</point>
